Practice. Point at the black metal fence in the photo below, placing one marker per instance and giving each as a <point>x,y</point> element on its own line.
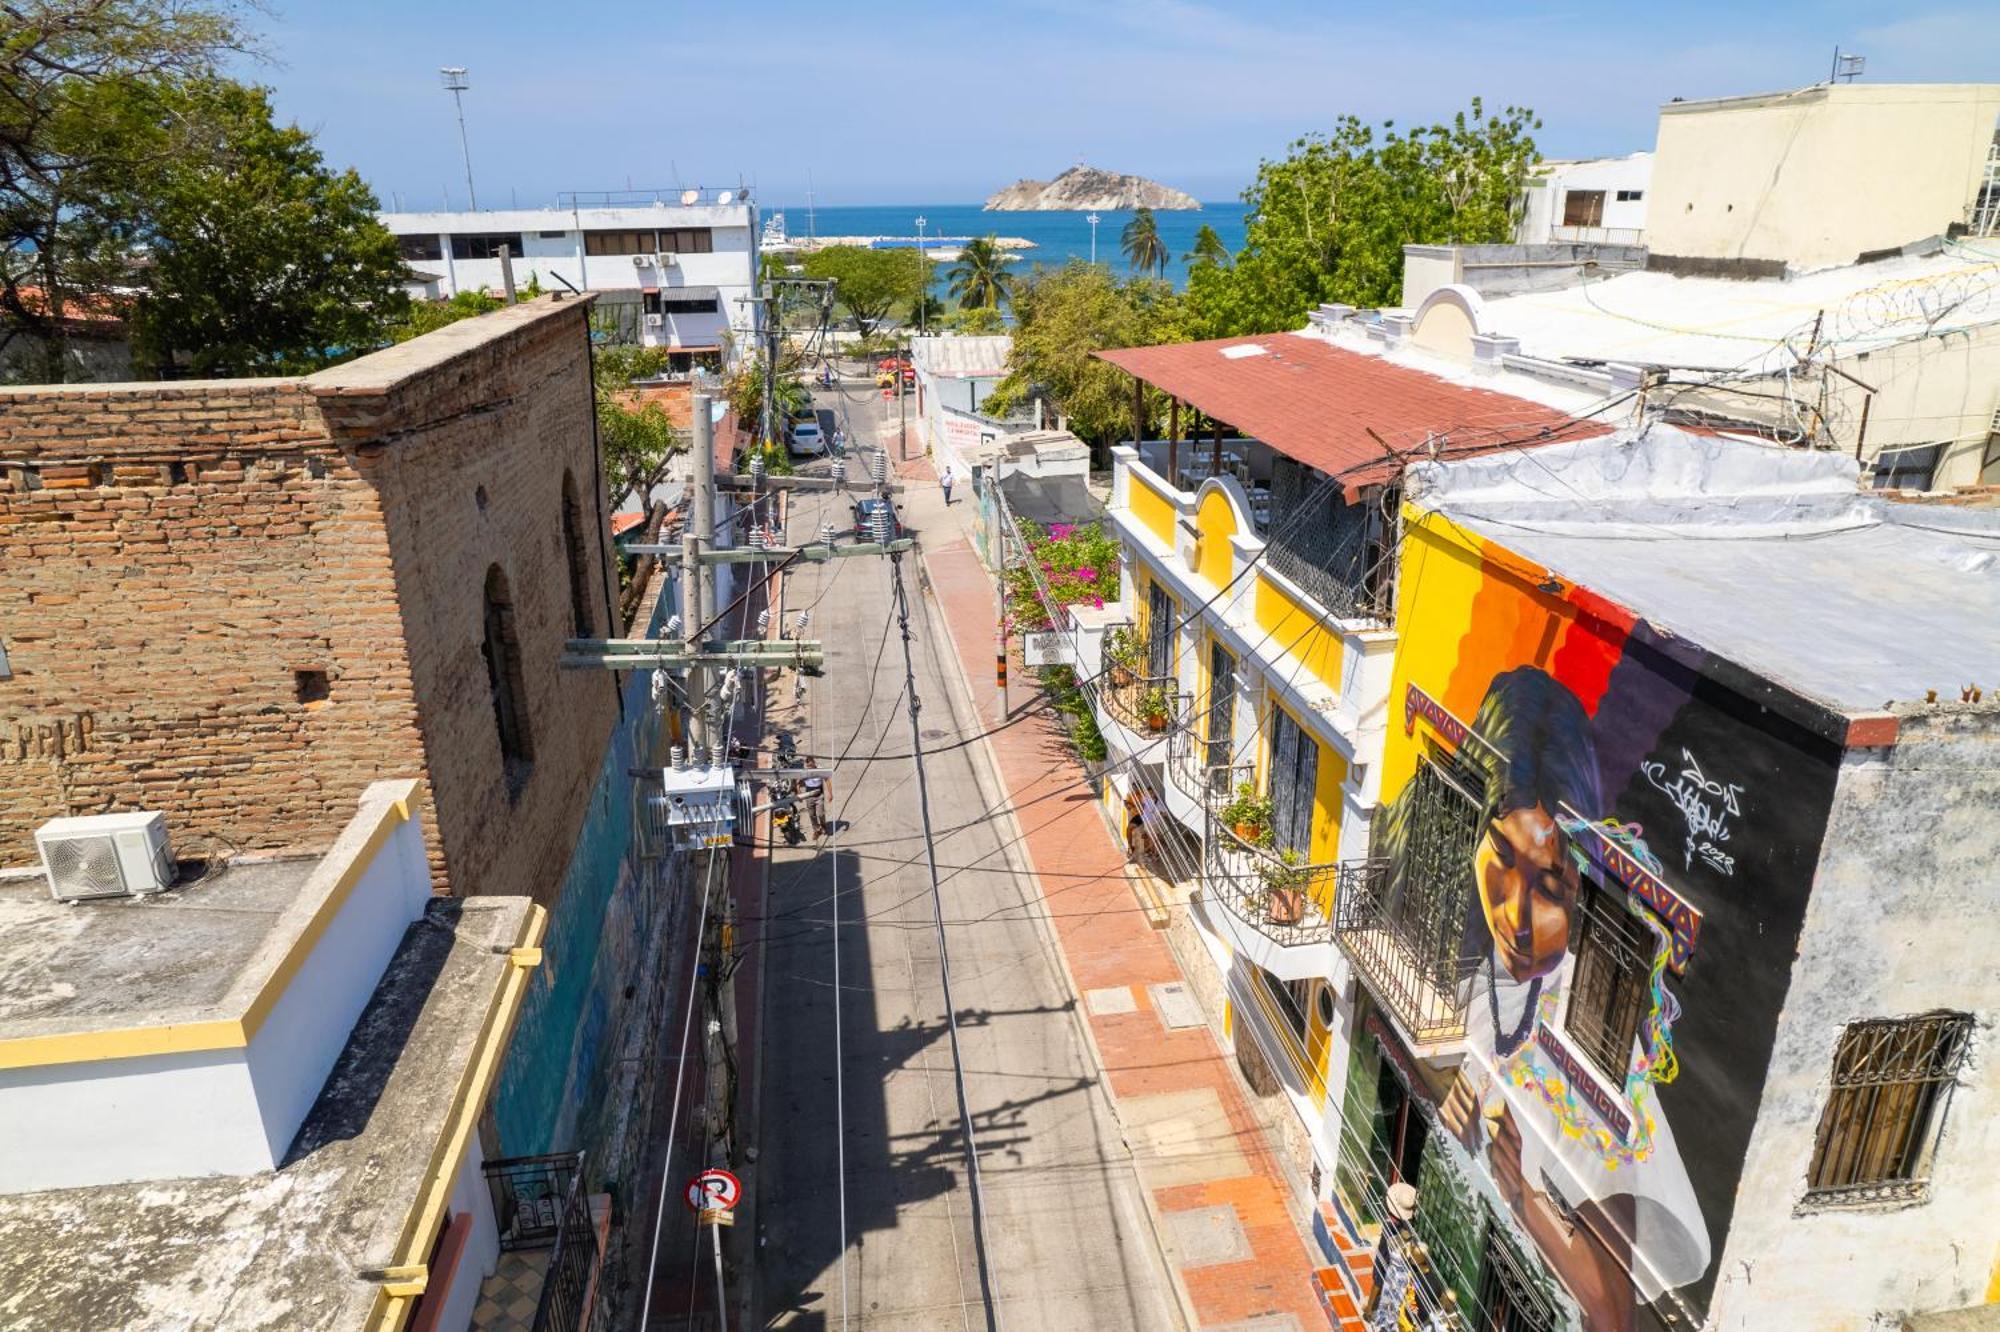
<point>569,1284</point>
<point>530,1195</point>
<point>1405,973</point>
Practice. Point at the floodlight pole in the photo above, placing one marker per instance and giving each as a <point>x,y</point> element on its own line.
<point>456,83</point>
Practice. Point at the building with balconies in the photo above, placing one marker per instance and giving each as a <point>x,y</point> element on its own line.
<point>674,269</point>
<point>1243,677</point>
<point>1671,954</point>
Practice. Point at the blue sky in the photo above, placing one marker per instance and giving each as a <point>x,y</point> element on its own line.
<point>890,102</point>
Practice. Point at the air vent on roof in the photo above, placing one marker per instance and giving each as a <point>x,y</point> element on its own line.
<point>105,855</point>
<point>1242,350</point>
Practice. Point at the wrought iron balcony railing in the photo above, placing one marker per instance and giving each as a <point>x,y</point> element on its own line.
<point>540,1203</point>
<point>1279,898</point>
<point>1405,950</point>
<point>1145,704</point>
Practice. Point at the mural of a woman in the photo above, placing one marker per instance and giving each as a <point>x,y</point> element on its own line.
<point>1627,1223</point>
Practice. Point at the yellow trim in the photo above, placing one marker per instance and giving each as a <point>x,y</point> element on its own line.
<point>1156,512</point>
<point>426,1217</point>
<point>219,1033</point>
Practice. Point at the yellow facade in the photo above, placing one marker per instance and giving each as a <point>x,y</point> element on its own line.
<point>1151,506</point>
<point>1289,627</point>
<point>1215,524</point>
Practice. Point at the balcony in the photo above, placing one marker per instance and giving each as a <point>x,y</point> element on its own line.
<point>1269,905</point>
<point>548,1240</point>
<point>1406,951</point>
<point>1145,705</point>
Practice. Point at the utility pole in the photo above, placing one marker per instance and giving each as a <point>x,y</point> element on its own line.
<point>1000,589</point>
<point>697,579</point>
<point>456,83</point>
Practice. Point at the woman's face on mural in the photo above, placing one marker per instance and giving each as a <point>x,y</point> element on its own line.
<point>1527,888</point>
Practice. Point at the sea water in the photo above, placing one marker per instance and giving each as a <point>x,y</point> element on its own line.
<point>1057,237</point>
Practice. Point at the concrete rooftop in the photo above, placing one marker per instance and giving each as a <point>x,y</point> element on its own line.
<point>295,1248</point>
<point>1768,557</point>
<point>191,954</point>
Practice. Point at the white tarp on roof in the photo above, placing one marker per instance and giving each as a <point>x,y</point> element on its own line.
<point>962,357</point>
<point>1717,323</point>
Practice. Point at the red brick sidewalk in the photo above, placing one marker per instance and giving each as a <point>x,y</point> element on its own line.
<point>1199,1146</point>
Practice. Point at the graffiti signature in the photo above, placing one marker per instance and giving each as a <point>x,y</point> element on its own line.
<point>1707,806</point>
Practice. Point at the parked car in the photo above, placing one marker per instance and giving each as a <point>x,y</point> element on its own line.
<point>864,518</point>
<point>806,439</point>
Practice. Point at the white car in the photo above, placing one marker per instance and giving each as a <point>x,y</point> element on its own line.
<point>806,439</point>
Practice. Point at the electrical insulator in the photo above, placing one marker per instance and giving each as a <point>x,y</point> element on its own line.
<point>826,533</point>
<point>757,464</point>
<point>763,622</point>
<point>756,536</point>
<point>879,520</point>
<point>673,626</point>
<point>676,758</point>
<point>799,623</point>
<point>839,473</point>
<point>878,466</point>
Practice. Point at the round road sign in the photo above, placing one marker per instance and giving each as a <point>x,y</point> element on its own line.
<point>713,1188</point>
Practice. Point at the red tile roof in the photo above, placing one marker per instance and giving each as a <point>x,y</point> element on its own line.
<point>621,523</point>
<point>1317,403</point>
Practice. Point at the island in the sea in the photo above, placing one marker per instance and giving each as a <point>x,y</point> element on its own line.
<point>1081,188</point>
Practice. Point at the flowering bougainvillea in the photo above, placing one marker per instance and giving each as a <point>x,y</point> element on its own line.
<point>1077,563</point>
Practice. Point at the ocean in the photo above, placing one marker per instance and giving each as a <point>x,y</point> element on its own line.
<point>1057,237</point>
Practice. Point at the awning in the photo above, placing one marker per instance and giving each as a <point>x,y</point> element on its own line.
<point>690,293</point>
<point>1317,403</point>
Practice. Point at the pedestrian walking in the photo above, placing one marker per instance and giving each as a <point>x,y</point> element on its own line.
<point>945,481</point>
<point>839,442</point>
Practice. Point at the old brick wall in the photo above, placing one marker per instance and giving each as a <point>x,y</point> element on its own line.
<point>238,602</point>
<point>171,557</point>
<point>468,453</point>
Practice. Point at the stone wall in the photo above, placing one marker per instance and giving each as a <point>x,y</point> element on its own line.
<point>239,602</point>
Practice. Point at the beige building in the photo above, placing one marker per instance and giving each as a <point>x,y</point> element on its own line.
<point>1819,176</point>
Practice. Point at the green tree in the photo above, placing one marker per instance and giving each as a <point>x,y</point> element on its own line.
<point>636,435</point>
<point>980,277</point>
<point>429,316</point>
<point>68,149</point>
<point>1328,222</point>
<point>979,319</point>
<point>1062,316</point>
<point>926,311</point>
<point>260,259</point>
<point>745,390</point>
<point>869,284</point>
<point>1140,240</point>
<point>1208,250</point>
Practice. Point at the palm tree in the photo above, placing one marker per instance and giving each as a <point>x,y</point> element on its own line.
<point>980,278</point>
<point>1208,249</point>
<point>1140,240</point>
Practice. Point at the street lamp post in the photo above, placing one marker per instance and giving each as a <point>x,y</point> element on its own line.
<point>1093,220</point>
<point>923,280</point>
<point>456,83</point>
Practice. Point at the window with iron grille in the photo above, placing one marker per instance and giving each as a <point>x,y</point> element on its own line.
<point>1430,888</point>
<point>1607,992</point>
<point>1294,778</point>
<point>1508,1298</point>
<point>1160,617</point>
<point>1891,1080</point>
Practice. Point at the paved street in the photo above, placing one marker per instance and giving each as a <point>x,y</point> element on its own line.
<point>1071,1243</point>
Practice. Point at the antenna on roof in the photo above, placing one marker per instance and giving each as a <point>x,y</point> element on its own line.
<point>1846,68</point>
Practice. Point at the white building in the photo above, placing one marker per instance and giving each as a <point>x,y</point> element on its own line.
<point>1597,199</point>
<point>670,272</point>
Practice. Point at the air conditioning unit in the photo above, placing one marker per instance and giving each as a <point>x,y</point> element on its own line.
<point>664,260</point>
<point>642,261</point>
<point>106,855</point>
<point>654,321</point>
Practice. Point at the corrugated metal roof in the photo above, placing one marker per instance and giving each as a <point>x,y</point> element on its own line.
<point>1317,403</point>
<point>962,357</point>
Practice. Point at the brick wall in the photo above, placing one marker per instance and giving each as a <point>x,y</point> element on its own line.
<point>239,602</point>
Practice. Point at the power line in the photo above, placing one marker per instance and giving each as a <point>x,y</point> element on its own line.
<point>986,1283</point>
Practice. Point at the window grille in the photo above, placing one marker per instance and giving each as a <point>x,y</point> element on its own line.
<point>1429,901</point>
<point>1160,618</point>
<point>1221,707</point>
<point>1891,1079</point>
<point>1294,776</point>
<point>1509,1300</point>
<point>1607,995</point>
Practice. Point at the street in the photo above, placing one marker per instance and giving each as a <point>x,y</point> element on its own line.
<point>1070,1243</point>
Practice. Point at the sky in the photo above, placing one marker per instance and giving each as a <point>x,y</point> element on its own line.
<point>896,103</point>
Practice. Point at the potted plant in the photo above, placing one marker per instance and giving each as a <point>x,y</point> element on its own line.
<point>1156,707</point>
<point>1249,815</point>
<point>1121,654</point>
<point>1285,888</point>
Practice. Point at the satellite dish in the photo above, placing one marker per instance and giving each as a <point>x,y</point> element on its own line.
<point>725,197</point>
<point>690,196</point>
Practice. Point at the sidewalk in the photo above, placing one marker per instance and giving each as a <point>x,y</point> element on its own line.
<point>1216,1191</point>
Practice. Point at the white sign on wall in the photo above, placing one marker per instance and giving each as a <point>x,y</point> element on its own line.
<point>1048,649</point>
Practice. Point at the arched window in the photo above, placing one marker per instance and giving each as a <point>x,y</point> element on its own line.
<point>579,560</point>
<point>502,650</point>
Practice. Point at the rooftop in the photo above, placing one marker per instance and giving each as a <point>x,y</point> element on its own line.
<point>1766,556</point>
<point>303,1246</point>
<point>1717,323</point>
<point>706,211</point>
<point>198,953</point>
<point>962,357</point>
<point>1336,408</point>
